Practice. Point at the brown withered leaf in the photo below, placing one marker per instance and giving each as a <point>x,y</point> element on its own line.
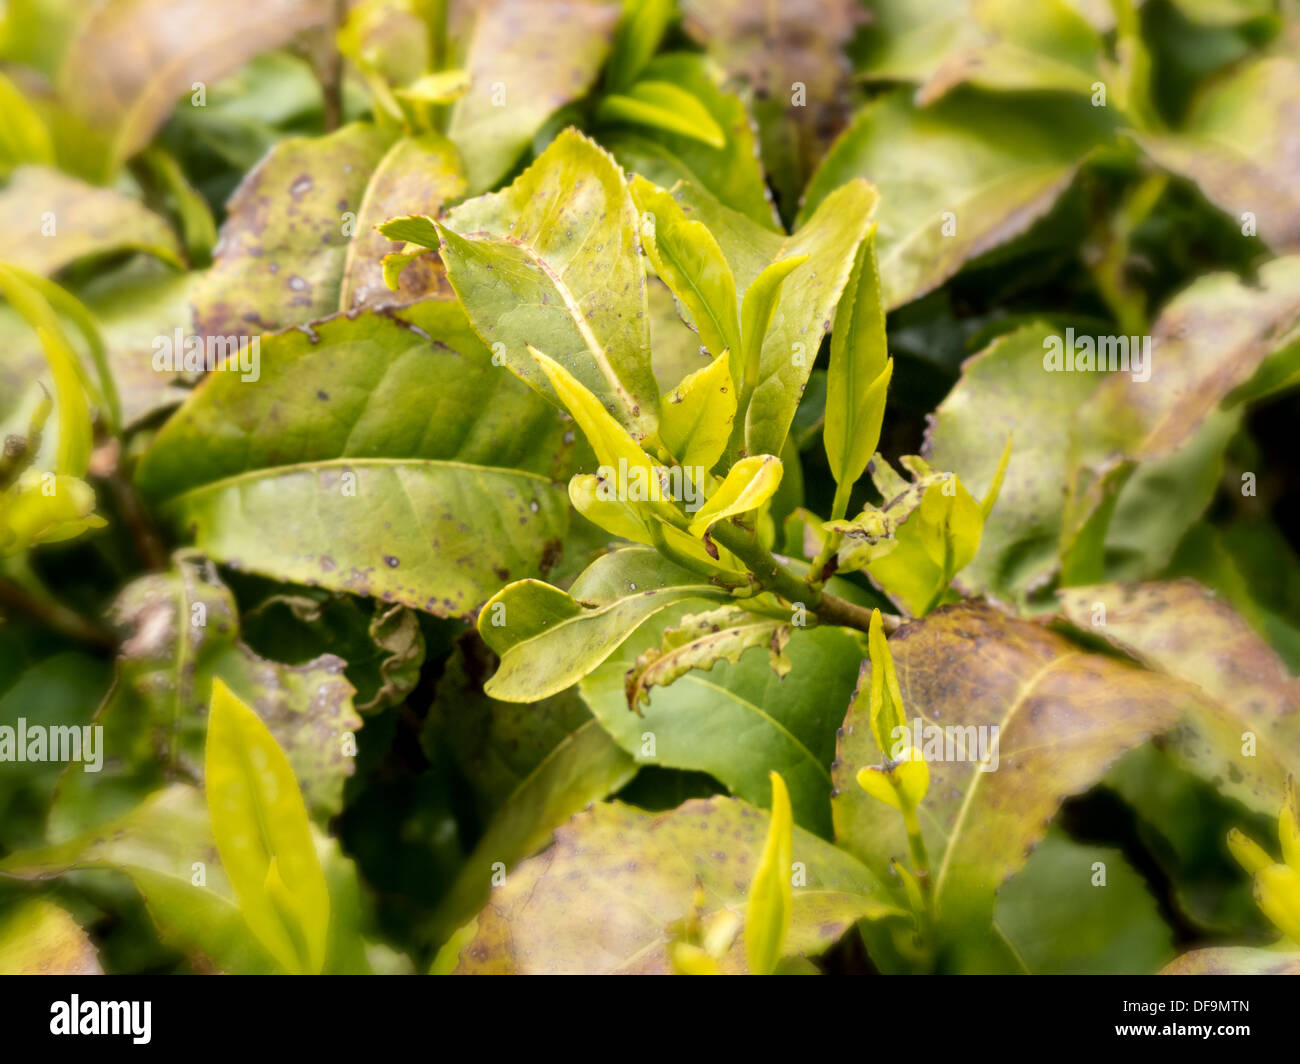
<point>1182,630</point>
<point>774,48</point>
<point>606,897</point>
<point>131,59</point>
<point>1063,716</point>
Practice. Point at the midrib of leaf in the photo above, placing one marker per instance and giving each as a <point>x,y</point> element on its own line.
<point>954,837</point>
<point>252,475</point>
<point>589,338</point>
<point>757,711</point>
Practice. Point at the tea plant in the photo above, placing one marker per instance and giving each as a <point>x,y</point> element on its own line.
<point>648,487</point>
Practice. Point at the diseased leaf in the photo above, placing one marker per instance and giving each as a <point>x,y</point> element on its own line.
<point>360,501</point>
<point>49,220</point>
<point>1062,716</point>
<point>549,639</point>
<point>316,251</point>
<point>182,633</point>
<point>552,262</point>
<point>39,938</point>
<point>791,56</point>
<point>738,721</point>
<point>606,897</point>
<point>700,642</point>
<point>1250,739</point>
<point>262,832</point>
<point>1236,144</point>
<point>526,59</point>
<point>994,164</point>
<point>129,60</point>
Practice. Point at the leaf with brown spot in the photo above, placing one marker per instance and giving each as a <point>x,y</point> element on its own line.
<point>307,475</point>
<point>1064,715</point>
<point>1185,632</point>
<point>771,47</point>
<point>1235,960</point>
<point>606,897</point>
<point>299,242</point>
<point>182,632</point>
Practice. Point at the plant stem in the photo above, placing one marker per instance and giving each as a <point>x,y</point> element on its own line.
<point>773,576</point>
<point>55,616</point>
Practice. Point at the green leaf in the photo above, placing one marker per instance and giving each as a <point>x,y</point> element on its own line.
<point>157,845</point>
<point>49,220</point>
<point>526,59</point>
<point>996,164</point>
<point>757,311</point>
<point>771,896</point>
<point>858,378</point>
<point>788,723</point>
<point>1233,145</point>
<point>830,238</point>
<point>640,29</point>
<point>662,105</point>
<point>585,766</point>
<point>1248,738</point>
<point>130,60</point>
<point>696,417</point>
<point>688,260</point>
<point>262,832</point>
<point>552,262</point>
<point>39,938</point>
<point>1062,716</point>
<point>23,136</point>
<point>549,639</point>
<point>360,501</point>
<point>732,175</point>
<point>748,485</point>
<point>606,897</point>
<point>1091,927</point>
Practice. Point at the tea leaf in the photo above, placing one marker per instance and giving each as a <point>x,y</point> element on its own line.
<point>261,830</point>
<point>771,897</point>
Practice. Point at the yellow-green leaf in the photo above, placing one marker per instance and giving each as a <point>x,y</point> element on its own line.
<point>696,417</point>
<point>688,260</point>
<point>260,825</point>
<point>749,484</point>
<point>662,105</point>
<point>756,312</point>
<point>771,896</point>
